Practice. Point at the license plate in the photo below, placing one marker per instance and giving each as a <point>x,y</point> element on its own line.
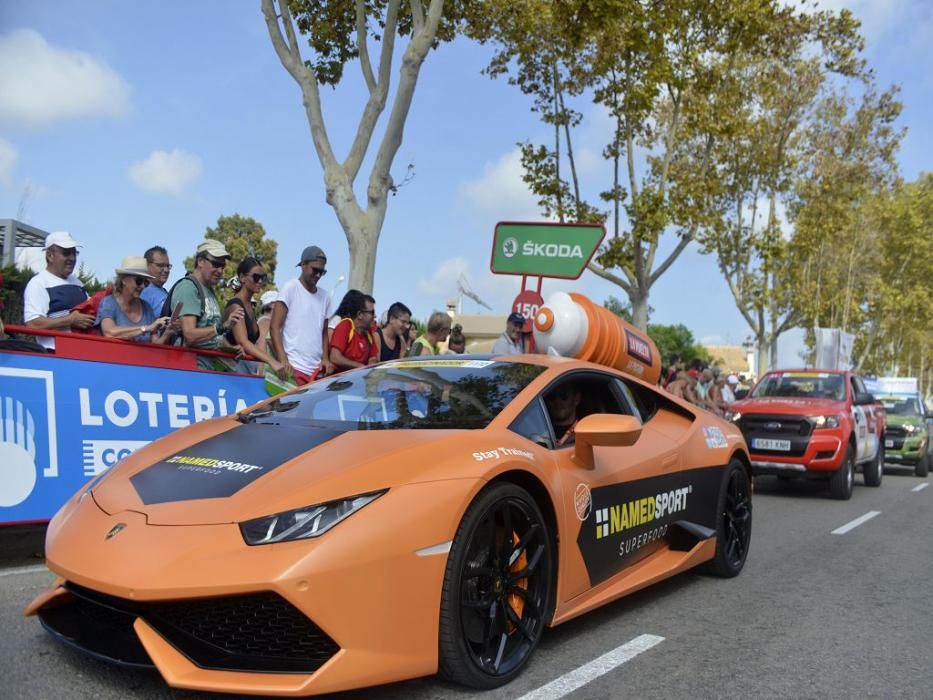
<point>766,444</point>
<point>889,443</point>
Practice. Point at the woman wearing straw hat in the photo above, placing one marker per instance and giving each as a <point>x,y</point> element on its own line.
<point>124,315</point>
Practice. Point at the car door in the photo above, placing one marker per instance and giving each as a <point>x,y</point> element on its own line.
<point>873,420</point>
<point>860,422</point>
<point>609,507</point>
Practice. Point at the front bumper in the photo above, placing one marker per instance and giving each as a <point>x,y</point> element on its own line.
<point>900,450</point>
<point>360,599</point>
<point>824,453</point>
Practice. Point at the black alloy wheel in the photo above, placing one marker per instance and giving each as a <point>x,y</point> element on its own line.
<point>733,523</point>
<point>497,589</point>
<point>842,480</point>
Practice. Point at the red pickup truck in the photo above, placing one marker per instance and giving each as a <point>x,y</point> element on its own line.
<point>821,424</point>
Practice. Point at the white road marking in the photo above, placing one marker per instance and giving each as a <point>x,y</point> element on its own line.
<point>920,487</point>
<point>855,523</point>
<point>23,570</point>
<point>587,673</point>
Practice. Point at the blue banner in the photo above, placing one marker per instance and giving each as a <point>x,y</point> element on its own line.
<point>62,421</point>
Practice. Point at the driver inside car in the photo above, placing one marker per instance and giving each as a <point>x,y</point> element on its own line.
<point>562,404</point>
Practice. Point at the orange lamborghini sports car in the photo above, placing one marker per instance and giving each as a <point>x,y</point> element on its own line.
<point>419,516</point>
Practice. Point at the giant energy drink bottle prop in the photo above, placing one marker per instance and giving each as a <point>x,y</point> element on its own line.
<point>570,325</point>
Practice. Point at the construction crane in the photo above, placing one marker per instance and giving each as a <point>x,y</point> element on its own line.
<point>463,286</point>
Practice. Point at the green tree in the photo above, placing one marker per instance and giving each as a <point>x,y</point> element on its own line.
<point>339,31</point>
<point>243,237</point>
<point>838,209</point>
<point>664,74</point>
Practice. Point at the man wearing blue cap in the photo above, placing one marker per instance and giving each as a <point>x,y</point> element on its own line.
<point>512,342</point>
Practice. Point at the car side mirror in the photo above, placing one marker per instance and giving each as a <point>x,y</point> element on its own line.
<point>863,399</point>
<point>603,430</point>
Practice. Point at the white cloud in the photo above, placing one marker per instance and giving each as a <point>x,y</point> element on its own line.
<point>7,163</point>
<point>166,173</point>
<point>41,84</point>
<point>500,192</point>
<point>444,280</point>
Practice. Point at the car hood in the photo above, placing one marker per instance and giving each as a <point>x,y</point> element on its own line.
<point>223,471</point>
<point>789,406</point>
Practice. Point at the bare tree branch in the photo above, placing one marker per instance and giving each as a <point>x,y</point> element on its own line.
<point>669,144</point>
<point>290,57</point>
<point>380,181</point>
<point>362,46</point>
<point>417,16</point>
<point>377,98</point>
<point>681,244</point>
<point>606,275</point>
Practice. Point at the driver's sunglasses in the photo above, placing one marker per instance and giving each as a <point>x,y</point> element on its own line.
<point>259,277</point>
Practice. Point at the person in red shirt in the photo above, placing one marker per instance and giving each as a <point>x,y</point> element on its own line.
<point>353,344</point>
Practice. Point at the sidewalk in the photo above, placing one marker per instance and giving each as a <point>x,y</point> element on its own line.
<point>22,545</point>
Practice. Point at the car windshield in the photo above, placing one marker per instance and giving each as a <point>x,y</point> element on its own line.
<point>895,406</point>
<point>429,393</point>
<point>810,385</point>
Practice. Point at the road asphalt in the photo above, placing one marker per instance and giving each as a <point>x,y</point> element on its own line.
<point>813,615</point>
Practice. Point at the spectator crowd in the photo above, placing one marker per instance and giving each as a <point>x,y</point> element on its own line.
<point>296,334</point>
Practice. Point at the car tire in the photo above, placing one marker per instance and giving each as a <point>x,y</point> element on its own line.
<point>874,471</point>
<point>841,482</point>
<point>733,523</point>
<point>923,466</point>
<point>491,617</point>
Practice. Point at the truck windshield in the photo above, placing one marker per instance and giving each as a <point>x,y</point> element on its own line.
<point>895,406</point>
<point>809,385</point>
<point>417,393</point>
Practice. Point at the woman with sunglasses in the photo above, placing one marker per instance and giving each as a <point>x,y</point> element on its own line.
<point>250,278</point>
<point>124,315</point>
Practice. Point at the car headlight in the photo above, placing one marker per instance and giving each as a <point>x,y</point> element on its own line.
<point>734,417</point>
<point>825,421</point>
<point>910,429</point>
<point>302,523</point>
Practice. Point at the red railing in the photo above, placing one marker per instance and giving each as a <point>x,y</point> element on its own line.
<point>97,348</point>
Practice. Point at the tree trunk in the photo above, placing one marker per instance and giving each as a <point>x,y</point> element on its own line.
<point>639,300</point>
<point>761,355</point>
<point>362,246</point>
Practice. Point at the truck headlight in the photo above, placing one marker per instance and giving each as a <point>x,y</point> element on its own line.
<point>302,523</point>
<point>825,421</point>
<point>910,429</point>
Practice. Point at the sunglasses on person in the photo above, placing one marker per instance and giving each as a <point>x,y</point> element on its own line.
<point>318,271</point>
<point>259,277</point>
<point>140,281</point>
<point>215,263</point>
<point>163,266</point>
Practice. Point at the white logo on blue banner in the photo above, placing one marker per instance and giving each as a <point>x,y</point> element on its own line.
<point>64,421</point>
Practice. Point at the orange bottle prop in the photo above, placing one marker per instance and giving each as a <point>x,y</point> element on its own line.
<point>570,325</point>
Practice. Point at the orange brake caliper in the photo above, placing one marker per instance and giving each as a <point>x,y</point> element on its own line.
<point>516,602</point>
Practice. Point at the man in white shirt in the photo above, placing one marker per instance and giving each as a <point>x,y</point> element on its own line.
<point>512,342</point>
<point>51,294</point>
<point>299,321</point>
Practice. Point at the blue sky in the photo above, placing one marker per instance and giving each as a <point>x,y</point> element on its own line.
<point>131,124</point>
